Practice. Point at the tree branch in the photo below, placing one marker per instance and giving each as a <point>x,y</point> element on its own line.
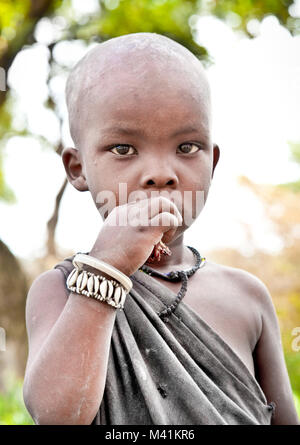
<point>52,223</point>
<point>24,35</point>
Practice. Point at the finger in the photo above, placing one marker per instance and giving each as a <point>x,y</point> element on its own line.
<point>161,204</point>
<point>165,220</point>
<point>168,236</point>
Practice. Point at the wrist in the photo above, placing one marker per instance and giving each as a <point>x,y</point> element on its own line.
<point>103,266</point>
<point>112,289</point>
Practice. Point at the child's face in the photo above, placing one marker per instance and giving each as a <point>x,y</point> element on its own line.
<point>150,131</point>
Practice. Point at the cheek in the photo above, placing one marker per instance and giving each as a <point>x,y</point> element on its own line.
<point>97,178</point>
<point>98,185</point>
<point>194,198</point>
<point>193,204</point>
<point>106,192</point>
<point>205,174</point>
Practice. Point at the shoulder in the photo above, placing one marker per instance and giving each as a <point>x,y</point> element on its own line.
<point>245,292</point>
<point>253,294</point>
<point>49,288</point>
<point>238,279</point>
<point>50,282</point>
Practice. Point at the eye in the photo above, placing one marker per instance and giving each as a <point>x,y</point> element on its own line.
<point>189,148</point>
<point>122,149</point>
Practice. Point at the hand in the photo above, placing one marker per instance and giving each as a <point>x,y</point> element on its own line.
<point>127,247</point>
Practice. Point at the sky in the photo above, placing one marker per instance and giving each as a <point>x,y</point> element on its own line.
<point>256,96</point>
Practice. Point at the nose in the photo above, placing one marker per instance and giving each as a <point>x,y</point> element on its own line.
<point>160,176</point>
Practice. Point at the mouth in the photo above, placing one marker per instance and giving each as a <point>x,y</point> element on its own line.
<point>177,201</point>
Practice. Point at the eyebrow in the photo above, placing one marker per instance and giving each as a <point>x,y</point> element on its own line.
<point>132,131</point>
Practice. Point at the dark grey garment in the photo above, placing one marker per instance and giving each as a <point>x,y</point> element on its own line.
<point>178,372</point>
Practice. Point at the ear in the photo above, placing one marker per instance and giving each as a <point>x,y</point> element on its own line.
<point>73,165</point>
<point>216,157</point>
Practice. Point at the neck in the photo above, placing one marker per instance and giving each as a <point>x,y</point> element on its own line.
<point>181,257</point>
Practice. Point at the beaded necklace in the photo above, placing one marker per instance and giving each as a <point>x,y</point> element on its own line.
<point>175,276</point>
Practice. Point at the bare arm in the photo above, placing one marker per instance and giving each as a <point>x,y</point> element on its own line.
<point>270,365</point>
<point>69,339</point>
<point>70,335</point>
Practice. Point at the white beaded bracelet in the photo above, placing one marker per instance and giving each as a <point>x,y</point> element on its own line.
<point>96,286</point>
<point>81,258</point>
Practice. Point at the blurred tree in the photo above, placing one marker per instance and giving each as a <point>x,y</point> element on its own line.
<point>12,407</point>
<point>13,289</point>
<point>240,12</point>
<point>18,19</point>
<point>295,152</point>
<point>170,18</point>
<point>6,193</point>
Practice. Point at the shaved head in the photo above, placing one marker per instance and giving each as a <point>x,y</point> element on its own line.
<point>130,60</point>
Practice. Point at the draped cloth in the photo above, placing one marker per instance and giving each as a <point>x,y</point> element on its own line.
<point>173,372</point>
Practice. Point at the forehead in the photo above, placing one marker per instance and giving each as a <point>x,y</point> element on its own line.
<point>158,102</point>
<point>142,76</point>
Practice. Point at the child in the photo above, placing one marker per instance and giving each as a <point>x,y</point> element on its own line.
<point>198,347</point>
